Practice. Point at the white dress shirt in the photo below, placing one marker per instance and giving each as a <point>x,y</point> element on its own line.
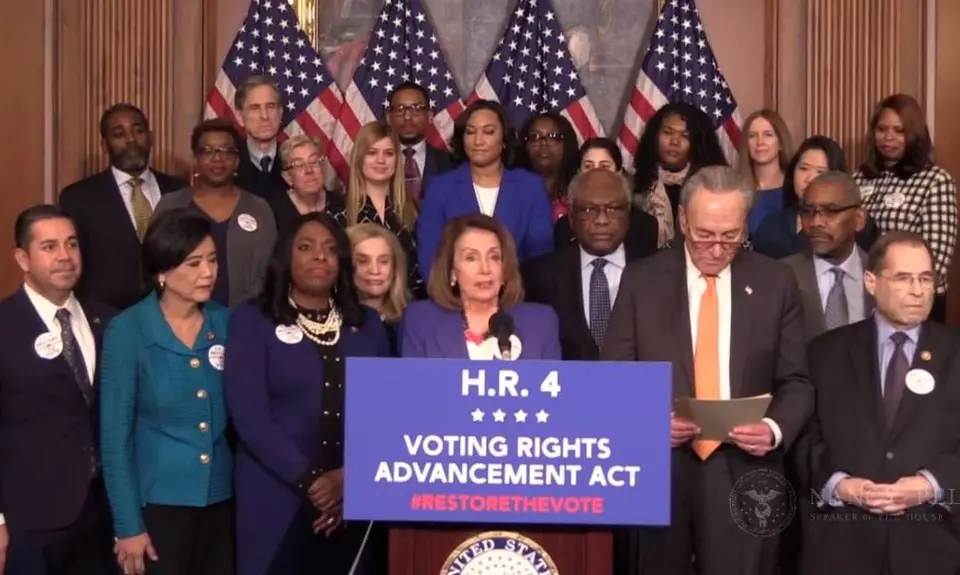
<point>616,262</point>
<point>149,186</point>
<point>256,154</point>
<point>419,155</point>
<point>852,283</point>
<point>696,286</point>
<point>47,310</point>
<point>486,199</point>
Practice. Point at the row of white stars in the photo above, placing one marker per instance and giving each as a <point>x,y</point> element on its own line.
<point>499,416</point>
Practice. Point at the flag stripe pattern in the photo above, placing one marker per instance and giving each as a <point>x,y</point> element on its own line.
<point>271,43</point>
<point>402,47</point>
<point>531,71</point>
<point>680,66</point>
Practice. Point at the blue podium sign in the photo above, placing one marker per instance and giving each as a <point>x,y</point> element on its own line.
<point>507,442</point>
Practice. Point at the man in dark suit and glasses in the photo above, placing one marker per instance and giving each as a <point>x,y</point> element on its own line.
<point>830,273</point>
<point>409,117</point>
<point>54,515</point>
<point>111,209</point>
<point>581,280</point>
<point>259,107</point>
<point>731,323</point>
<point>885,454</point>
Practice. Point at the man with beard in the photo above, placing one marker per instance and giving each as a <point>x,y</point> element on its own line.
<point>112,209</point>
<point>409,117</point>
<point>54,515</point>
<point>830,272</point>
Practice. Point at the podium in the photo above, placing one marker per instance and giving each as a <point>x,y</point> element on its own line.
<point>423,550</point>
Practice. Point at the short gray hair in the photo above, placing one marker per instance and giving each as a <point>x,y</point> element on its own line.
<point>851,190</point>
<point>573,188</point>
<point>718,180</point>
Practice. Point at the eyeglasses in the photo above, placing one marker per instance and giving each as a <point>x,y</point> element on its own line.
<point>587,213</point>
<point>704,244</point>
<point>210,151</point>
<point>301,166</point>
<point>414,109</point>
<point>828,211</point>
<point>539,137</point>
<point>904,281</point>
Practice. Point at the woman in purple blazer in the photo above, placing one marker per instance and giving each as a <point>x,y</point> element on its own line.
<point>284,384</point>
<point>475,305</point>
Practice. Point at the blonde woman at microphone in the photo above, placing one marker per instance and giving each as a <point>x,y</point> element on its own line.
<point>476,308</point>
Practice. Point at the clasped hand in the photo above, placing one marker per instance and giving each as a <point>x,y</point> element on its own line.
<point>755,438</point>
<point>885,498</point>
<point>326,495</point>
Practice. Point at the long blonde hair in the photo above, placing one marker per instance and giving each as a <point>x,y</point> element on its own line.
<point>397,296</point>
<point>405,208</point>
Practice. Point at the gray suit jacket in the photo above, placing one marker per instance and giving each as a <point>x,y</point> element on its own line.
<point>247,252</point>
<point>813,318</point>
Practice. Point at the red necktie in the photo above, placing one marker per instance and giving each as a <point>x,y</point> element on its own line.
<point>411,173</point>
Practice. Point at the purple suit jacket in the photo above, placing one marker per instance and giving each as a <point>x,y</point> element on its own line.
<point>427,330</point>
<point>273,391</point>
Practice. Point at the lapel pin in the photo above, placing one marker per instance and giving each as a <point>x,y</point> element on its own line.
<point>354,329</point>
<point>211,336</point>
<point>96,321</point>
<point>749,290</point>
<point>925,355</point>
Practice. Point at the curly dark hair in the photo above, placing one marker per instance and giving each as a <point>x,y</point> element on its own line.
<point>705,147</point>
<point>273,300</point>
<point>460,128</point>
<point>569,165</point>
<point>836,162</point>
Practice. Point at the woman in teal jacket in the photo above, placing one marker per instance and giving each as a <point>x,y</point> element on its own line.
<point>166,462</point>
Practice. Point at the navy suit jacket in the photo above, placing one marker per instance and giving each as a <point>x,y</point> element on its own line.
<point>427,330</point>
<point>273,391</point>
<point>523,206</point>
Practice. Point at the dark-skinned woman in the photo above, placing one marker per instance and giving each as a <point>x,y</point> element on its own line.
<point>284,383</point>
<point>549,149</point>
<point>243,225</point>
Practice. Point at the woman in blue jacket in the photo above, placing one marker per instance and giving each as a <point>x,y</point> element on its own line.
<point>166,462</point>
<point>484,143</point>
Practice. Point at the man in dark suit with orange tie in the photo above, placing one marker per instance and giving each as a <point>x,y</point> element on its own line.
<point>54,516</point>
<point>885,441</point>
<point>731,324</point>
<point>409,117</point>
<point>112,209</point>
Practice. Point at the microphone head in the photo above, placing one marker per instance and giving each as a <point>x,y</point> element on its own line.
<point>501,325</point>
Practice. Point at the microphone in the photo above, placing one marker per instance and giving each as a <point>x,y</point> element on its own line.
<point>501,327</point>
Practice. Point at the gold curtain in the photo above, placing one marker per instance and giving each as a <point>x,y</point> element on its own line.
<point>307,14</point>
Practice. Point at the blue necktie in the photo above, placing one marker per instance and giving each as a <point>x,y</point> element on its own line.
<point>599,301</point>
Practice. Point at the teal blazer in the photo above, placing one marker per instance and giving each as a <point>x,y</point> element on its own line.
<point>163,422</point>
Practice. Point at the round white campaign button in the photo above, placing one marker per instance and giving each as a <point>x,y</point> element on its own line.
<point>48,345</point>
<point>289,334</point>
<point>215,355</point>
<point>894,200</point>
<point>247,222</point>
<point>920,381</point>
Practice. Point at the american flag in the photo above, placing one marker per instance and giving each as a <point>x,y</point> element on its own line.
<point>531,71</point>
<point>271,43</point>
<point>402,47</point>
<point>681,67</point>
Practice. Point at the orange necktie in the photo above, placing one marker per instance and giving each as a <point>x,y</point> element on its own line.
<point>706,357</point>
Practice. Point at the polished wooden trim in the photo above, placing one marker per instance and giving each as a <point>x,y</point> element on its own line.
<point>771,57</point>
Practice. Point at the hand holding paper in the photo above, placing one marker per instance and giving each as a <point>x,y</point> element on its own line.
<point>717,419</point>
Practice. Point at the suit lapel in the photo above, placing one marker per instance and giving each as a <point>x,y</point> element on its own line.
<point>573,297</point>
<point>450,336</point>
<point>740,313</point>
<point>118,207</point>
<point>929,356</point>
<point>865,357</point>
<point>677,301</point>
<point>809,290</point>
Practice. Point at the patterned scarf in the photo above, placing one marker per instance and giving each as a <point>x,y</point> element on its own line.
<point>658,203</point>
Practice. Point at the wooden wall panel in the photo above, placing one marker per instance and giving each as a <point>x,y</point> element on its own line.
<point>151,54</point>
<point>858,52</point>
<point>947,118</point>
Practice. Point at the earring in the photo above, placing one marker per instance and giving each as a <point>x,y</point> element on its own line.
<point>161,281</point>
<point>453,282</point>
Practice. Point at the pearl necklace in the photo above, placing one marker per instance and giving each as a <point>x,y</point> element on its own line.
<point>327,332</point>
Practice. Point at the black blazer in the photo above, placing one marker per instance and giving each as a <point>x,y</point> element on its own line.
<point>251,179</point>
<point>641,237</point>
<point>108,238</point>
<point>849,433</point>
<point>48,433</point>
<point>555,279</point>
<point>437,162</point>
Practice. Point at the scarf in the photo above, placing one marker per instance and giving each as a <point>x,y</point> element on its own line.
<point>658,203</point>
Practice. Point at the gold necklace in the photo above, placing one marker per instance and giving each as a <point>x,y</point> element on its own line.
<point>327,332</point>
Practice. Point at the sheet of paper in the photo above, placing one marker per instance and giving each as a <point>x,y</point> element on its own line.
<point>716,418</point>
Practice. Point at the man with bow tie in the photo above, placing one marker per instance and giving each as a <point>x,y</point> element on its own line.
<point>54,515</point>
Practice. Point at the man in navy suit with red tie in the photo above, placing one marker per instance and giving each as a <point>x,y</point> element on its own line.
<point>54,515</point>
